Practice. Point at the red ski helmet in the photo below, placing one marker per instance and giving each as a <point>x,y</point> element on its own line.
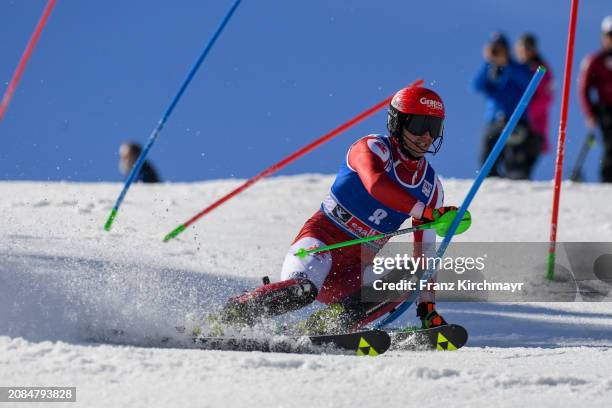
<point>419,110</point>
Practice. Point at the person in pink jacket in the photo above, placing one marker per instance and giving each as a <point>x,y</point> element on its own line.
<point>538,111</point>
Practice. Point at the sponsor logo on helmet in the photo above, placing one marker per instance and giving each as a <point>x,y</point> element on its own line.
<point>431,103</point>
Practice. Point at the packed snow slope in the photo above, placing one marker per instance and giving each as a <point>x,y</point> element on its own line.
<point>64,281</point>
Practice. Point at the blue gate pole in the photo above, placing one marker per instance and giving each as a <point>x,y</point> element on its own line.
<point>162,121</point>
<point>484,171</point>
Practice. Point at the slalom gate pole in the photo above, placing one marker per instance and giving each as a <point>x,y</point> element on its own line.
<point>484,171</point>
<point>275,167</point>
<point>441,226</point>
<point>10,90</point>
<point>567,78</point>
<point>137,166</point>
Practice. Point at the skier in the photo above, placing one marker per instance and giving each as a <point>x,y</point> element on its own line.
<point>384,181</point>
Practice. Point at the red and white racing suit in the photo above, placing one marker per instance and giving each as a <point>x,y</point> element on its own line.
<point>388,177</point>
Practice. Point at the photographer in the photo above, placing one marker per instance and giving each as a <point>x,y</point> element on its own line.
<point>503,81</point>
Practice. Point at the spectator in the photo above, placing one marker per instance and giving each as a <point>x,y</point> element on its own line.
<point>128,154</point>
<point>595,89</point>
<point>538,111</point>
<point>503,81</point>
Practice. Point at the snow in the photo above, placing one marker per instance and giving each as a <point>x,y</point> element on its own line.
<point>63,281</point>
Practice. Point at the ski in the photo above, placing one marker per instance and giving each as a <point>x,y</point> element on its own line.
<point>446,338</point>
<point>362,343</point>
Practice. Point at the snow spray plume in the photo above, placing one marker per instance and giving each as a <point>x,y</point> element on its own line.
<point>297,154</point>
<point>162,122</point>
<point>484,171</point>
<point>80,299</point>
<point>10,90</point>
<point>441,225</point>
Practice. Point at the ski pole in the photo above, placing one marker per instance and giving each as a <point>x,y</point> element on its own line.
<point>484,171</point>
<point>441,226</point>
<point>136,168</point>
<point>587,145</point>
<point>8,94</point>
<point>275,167</point>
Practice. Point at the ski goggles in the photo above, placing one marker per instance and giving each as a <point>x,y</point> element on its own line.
<point>418,125</point>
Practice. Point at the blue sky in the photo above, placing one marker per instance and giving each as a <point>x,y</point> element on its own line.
<point>282,74</point>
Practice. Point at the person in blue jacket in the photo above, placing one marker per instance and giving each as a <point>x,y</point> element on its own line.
<point>503,80</point>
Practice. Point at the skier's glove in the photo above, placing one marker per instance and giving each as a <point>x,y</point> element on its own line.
<point>431,215</point>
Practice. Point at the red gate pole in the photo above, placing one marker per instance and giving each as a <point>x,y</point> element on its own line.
<point>567,79</point>
<point>25,57</point>
<point>275,167</point>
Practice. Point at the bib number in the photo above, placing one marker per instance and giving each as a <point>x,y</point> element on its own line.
<point>378,216</point>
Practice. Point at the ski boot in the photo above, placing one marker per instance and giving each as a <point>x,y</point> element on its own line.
<point>426,311</point>
<point>271,299</point>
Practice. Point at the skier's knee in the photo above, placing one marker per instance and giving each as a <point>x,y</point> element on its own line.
<point>313,267</point>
